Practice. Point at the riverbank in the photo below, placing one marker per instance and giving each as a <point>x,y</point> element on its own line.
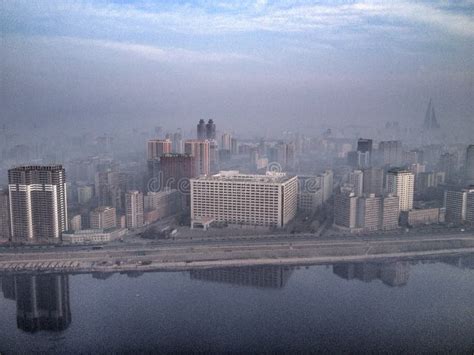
<point>174,256</point>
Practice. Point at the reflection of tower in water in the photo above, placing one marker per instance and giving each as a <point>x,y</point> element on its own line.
<point>42,301</point>
<point>260,277</point>
<point>392,274</point>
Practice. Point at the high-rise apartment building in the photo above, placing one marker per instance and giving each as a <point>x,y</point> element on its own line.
<point>200,150</point>
<point>373,181</point>
<point>401,183</point>
<point>327,184</point>
<point>345,210</point>
<point>365,213</point>
<point>226,141</point>
<point>38,203</point>
<point>134,209</point>
<point>390,153</point>
<point>259,200</point>
<point>459,206</point>
<point>365,146</point>
<point>177,144</point>
<point>469,165</point>
<point>103,218</point>
<point>210,130</point>
<point>356,179</point>
<point>201,130</point>
<point>4,216</point>
<point>157,147</point>
<point>176,170</point>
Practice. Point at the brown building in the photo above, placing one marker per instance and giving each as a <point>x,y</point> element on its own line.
<point>418,217</point>
<point>157,147</point>
<point>200,150</point>
<point>177,170</point>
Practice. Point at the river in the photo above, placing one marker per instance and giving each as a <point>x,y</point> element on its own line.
<point>409,306</point>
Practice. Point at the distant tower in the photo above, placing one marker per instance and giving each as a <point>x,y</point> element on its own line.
<point>430,118</point>
<point>201,130</point>
<point>210,130</point>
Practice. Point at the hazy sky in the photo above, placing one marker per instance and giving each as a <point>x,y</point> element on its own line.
<point>243,63</point>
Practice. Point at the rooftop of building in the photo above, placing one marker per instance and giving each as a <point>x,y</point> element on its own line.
<point>176,155</point>
<point>37,168</point>
<point>399,171</point>
<point>235,175</point>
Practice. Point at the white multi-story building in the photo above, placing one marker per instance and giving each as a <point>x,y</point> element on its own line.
<point>260,200</point>
<point>401,183</point>
<point>459,206</point>
<point>103,218</point>
<point>134,209</point>
<point>38,203</point>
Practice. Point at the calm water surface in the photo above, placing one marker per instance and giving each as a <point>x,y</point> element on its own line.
<point>403,306</point>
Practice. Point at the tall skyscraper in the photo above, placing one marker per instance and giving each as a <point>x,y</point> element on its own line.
<point>4,216</point>
<point>373,181</point>
<point>200,150</point>
<point>158,147</point>
<point>177,170</point>
<point>134,205</point>
<point>401,183</point>
<point>345,210</point>
<point>210,130</point>
<point>459,206</point>
<point>365,146</point>
<point>327,184</point>
<point>177,143</point>
<point>226,140</point>
<point>390,153</point>
<point>38,203</point>
<point>356,178</point>
<point>448,163</point>
<point>469,165</point>
<point>201,130</point>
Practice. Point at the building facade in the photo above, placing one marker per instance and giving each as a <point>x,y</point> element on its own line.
<point>260,200</point>
<point>38,203</point>
<point>401,183</point>
<point>103,218</point>
<point>134,209</point>
<point>157,147</point>
<point>469,165</point>
<point>200,150</point>
<point>4,216</point>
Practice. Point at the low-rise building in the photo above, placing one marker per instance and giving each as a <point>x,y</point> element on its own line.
<point>93,236</point>
<point>417,217</point>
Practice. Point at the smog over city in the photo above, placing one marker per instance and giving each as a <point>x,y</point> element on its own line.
<point>236,176</point>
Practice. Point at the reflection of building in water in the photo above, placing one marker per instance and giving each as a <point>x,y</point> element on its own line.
<point>462,262</point>
<point>391,274</point>
<point>262,276</point>
<point>42,301</point>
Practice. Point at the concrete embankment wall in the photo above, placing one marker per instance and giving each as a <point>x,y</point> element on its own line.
<point>202,256</point>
